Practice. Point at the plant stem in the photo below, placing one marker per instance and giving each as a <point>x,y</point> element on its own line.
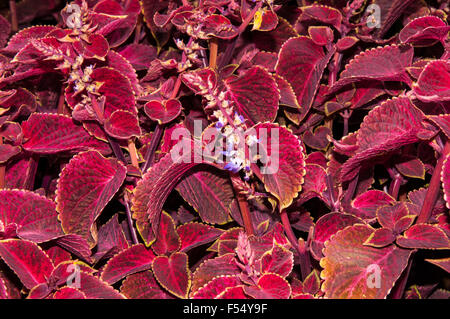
<point>395,186</point>
<point>61,100</point>
<point>133,153</point>
<point>130,222</point>
<point>150,155</point>
<point>351,189</point>
<point>13,10</point>
<point>137,31</point>
<point>305,262</point>
<point>116,149</point>
<point>245,212</point>
<point>31,172</point>
<point>433,188</point>
<point>2,169</point>
<point>213,49</point>
<point>399,289</point>
<point>346,115</point>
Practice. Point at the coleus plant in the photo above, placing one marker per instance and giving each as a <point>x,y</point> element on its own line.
<point>244,149</point>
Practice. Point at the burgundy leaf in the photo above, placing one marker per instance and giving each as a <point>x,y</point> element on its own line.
<point>269,286</point>
<point>424,236</point>
<point>196,234</point>
<point>327,226</point>
<point>163,112</point>
<point>434,82</point>
<point>134,259</point>
<point>352,270</point>
<point>122,125</point>
<point>52,133</point>
<point>27,260</point>
<point>380,238</point>
<point>173,273</point>
<point>143,286</point>
<point>256,95</point>
<point>86,185</point>
<point>167,240</point>
<point>216,287</point>
<point>34,216</point>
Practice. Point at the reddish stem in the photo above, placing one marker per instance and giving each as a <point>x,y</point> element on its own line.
<point>245,212</point>
<point>433,188</point>
<point>150,155</point>
<point>14,22</point>
<point>213,49</point>
<point>133,153</point>
<point>394,188</point>
<point>305,262</point>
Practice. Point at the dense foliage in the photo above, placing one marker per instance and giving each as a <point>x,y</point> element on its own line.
<point>224,149</point>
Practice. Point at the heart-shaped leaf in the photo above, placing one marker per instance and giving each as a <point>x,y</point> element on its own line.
<point>352,270</point>
<point>278,260</point>
<point>424,31</point>
<point>367,203</point>
<point>85,186</point>
<point>134,259</point>
<point>173,273</point>
<point>163,112</point>
<point>122,125</point>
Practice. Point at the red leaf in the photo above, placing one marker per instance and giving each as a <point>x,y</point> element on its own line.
<point>86,184</point>
<point>218,26</point>
<point>210,193</point>
<point>115,87</point>
<point>317,139</point>
<point>167,239</point>
<point>27,260</point>
<point>311,284</point>
<point>143,286</point>
<point>380,238</point>
<point>424,31</point>
<point>196,234</point>
<point>410,166</point>
<point>233,293</point>
<point>367,203</point>
<point>424,236</point>
<point>134,259</point>
<point>302,56</point>
<point>389,215</point>
<point>434,82</point>
<point>53,133</point>
<point>68,293</point>
<point>173,273</point>
<point>256,95</point>
<point>323,14</point>
<point>321,35</point>
<point>284,169</point>
<point>346,43</point>
<point>111,239</point>
<point>163,112</point>
<point>139,55</point>
<point>216,287</point>
<point>315,182</point>
<point>95,288</point>
<point>386,63</point>
<point>219,266</point>
<point>122,125</point>
<point>95,47</point>
<point>22,38</point>
<point>269,286</point>
<point>327,226</point>
<point>387,127</point>
<point>352,270</point>
<point>35,216</point>
<point>265,20</point>
<point>278,261</point>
